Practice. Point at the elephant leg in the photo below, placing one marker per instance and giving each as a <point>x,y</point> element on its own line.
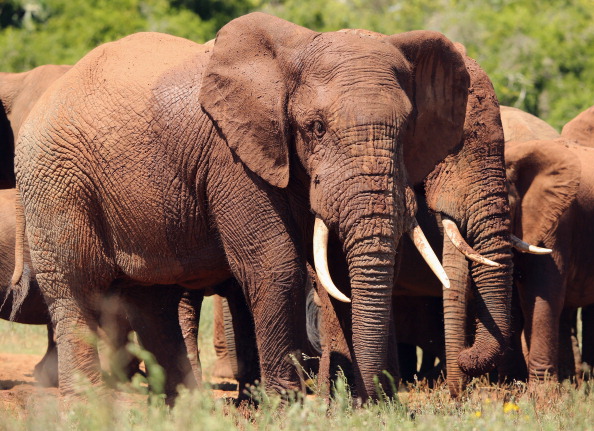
<point>542,293</point>
<point>76,334</point>
<point>513,362</point>
<point>223,367</point>
<point>153,313</point>
<point>567,360</point>
<point>240,336</point>
<point>46,371</point>
<point>116,326</point>
<point>407,358</point>
<point>189,321</point>
<point>266,258</point>
<point>588,340</point>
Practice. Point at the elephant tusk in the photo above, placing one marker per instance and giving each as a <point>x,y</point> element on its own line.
<point>524,247</point>
<point>457,239</point>
<point>421,243</point>
<point>320,249</point>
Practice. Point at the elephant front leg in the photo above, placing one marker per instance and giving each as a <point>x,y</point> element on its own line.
<point>542,291</point>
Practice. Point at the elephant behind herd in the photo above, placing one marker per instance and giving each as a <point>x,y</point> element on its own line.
<point>155,161</point>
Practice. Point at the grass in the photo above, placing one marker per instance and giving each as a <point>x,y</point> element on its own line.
<point>485,407</point>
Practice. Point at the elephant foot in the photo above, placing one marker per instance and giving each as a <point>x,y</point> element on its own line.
<point>222,368</point>
<point>46,371</point>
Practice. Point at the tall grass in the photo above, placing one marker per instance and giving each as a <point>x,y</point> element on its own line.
<point>485,407</point>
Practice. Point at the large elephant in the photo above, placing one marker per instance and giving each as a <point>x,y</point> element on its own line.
<point>173,162</point>
<point>468,190</point>
<point>550,191</point>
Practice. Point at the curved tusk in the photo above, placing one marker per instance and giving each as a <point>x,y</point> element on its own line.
<point>320,249</point>
<point>421,243</point>
<point>524,247</point>
<point>457,239</point>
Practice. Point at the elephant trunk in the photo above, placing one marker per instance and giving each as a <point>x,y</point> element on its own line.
<point>454,314</point>
<point>489,231</point>
<point>369,247</point>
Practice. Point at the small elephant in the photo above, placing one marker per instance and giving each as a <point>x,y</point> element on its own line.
<point>550,184</point>
<point>178,163</point>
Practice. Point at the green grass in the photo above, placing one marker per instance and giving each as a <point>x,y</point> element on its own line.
<point>418,408</point>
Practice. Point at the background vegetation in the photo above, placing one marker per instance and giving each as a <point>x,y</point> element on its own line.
<point>540,55</point>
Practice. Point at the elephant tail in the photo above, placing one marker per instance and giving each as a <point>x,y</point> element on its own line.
<point>21,277</point>
<point>19,249</point>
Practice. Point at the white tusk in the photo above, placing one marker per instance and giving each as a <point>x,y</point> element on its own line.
<point>320,249</point>
<point>455,236</point>
<point>524,247</point>
<point>421,243</point>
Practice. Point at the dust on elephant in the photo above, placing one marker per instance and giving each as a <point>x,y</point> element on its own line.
<point>522,126</point>
<point>468,189</point>
<point>550,191</point>
<point>18,94</point>
<point>174,162</point>
<point>581,128</point>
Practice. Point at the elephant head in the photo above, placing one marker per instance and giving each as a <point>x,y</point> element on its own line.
<point>543,177</point>
<point>350,112</point>
<point>581,128</point>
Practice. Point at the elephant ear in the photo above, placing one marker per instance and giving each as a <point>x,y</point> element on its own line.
<point>546,175</point>
<point>245,89</point>
<point>439,95</point>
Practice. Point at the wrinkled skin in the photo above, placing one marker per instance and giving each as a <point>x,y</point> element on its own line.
<point>26,304</point>
<point>581,128</point>
<point>550,191</point>
<point>160,148</point>
<point>469,187</point>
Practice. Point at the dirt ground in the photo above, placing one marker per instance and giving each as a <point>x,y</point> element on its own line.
<point>18,388</point>
<point>17,384</point>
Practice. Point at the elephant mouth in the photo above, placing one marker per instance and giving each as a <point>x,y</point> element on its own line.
<point>320,247</point>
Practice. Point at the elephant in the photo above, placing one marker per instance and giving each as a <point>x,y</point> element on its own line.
<point>581,128</point>
<point>159,149</point>
<point>550,183</point>
<point>18,94</point>
<point>522,126</point>
<point>467,192</point>
<point>26,305</point>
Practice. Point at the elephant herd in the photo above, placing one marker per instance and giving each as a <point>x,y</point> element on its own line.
<point>275,163</point>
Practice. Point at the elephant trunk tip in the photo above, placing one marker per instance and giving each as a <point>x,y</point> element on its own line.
<point>476,361</point>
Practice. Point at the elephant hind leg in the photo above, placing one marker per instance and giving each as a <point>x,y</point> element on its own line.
<point>153,314</point>
<point>46,371</point>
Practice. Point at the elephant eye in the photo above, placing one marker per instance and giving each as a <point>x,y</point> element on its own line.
<point>319,129</point>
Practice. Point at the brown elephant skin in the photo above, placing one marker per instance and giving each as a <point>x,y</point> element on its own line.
<point>550,191</point>
<point>176,163</point>
<point>469,188</point>
<point>522,126</point>
<point>581,128</point>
